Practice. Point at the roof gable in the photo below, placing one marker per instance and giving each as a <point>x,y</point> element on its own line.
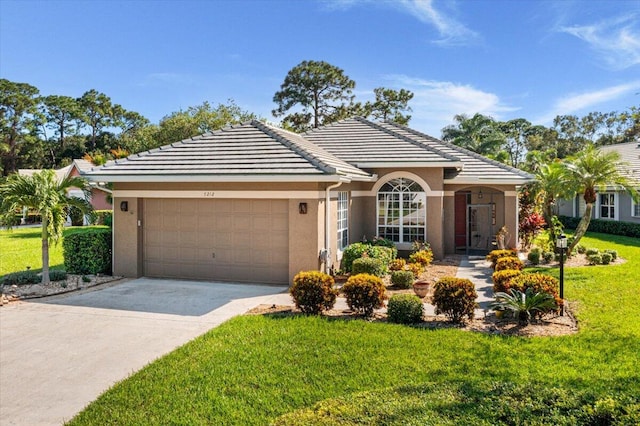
<point>387,144</point>
<point>629,154</point>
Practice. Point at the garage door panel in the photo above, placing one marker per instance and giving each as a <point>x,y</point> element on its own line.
<point>248,237</point>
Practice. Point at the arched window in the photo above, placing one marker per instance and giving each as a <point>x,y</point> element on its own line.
<point>402,211</point>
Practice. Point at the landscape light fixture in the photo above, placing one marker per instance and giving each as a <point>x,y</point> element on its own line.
<point>561,244</point>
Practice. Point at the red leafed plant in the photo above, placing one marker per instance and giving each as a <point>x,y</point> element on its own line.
<point>530,226</point>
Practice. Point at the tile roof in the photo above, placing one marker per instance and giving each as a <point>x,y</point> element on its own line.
<point>367,144</point>
<point>630,154</point>
<point>250,151</point>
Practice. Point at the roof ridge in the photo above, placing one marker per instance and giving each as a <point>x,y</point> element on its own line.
<point>294,146</point>
<point>405,138</point>
<point>464,150</point>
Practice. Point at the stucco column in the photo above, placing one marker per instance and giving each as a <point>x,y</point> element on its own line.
<point>125,237</point>
<point>448,222</point>
<point>511,217</point>
<point>435,228</point>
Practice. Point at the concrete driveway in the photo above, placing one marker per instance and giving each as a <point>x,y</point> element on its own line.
<point>58,354</point>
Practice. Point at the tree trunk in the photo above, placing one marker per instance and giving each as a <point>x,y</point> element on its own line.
<point>45,250</point>
<point>581,229</point>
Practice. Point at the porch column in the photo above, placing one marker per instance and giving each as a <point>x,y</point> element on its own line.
<point>511,217</point>
<point>448,222</point>
<point>435,224</point>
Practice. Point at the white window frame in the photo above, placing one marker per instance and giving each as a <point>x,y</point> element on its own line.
<point>401,191</point>
<point>342,211</point>
<point>609,206</point>
<point>635,207</point>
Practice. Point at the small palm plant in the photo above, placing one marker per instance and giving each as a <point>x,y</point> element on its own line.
<point>524,305</point>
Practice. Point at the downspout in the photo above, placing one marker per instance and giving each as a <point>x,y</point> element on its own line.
<point>327,226</point>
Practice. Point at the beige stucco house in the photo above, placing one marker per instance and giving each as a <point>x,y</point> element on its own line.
<point>255,203</point>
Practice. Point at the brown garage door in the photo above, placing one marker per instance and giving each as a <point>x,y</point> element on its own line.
<point>226,240</point>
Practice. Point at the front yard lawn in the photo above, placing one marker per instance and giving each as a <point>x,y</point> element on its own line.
<point>254,369</point>
<point>22,247</point>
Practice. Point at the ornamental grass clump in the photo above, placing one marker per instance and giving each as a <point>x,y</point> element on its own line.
<point>405,309</point>
<point>455,298</point>
<point>364,293</point>
<point>313,292</point>
<point>524,305</point>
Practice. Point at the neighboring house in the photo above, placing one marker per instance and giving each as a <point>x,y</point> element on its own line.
<point>611,204</point>
<point>99,193</point>
<point>256,203</point>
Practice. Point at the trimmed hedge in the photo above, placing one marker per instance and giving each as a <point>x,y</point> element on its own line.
<point>405,309</point>
<point>455,298</point>
<point>357,250</point>
<point>364,293</point>
<point>611,227</point>
<point>103,217</point>
<point>368,265</point>
<point>88,252</point>
<point>313,292</point>
<point>402,279</point>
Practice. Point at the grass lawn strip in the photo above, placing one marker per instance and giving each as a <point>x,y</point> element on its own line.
<point>22,247</point>
<point>254,369</point>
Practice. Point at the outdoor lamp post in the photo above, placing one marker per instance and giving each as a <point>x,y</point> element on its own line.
<point>561,243</point>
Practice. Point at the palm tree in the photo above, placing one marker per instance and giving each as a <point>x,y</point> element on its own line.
<point>47,195</point>
<point>478,134</point>
<point>552,182</point>
<point>591,170</point>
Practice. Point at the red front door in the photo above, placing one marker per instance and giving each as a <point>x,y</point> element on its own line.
<point>461,219</point>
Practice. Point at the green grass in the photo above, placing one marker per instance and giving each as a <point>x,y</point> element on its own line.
<point>254,369</point>
<point>22,247</point>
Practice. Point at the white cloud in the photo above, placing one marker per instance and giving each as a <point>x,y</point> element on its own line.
<point>451,31</point>
<point>616,40</point>
<point>436,102</point>
<point>580,102</point>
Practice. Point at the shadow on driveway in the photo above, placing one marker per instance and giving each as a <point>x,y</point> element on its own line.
<point>174,297</point>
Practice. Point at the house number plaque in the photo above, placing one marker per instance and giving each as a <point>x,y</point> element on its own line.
<point>209,194</point>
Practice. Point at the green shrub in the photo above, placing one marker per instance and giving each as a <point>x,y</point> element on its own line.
<point>581,249</point>
<point>591,251</point>
<point>606,258</point>
<point>423,257</point>
<point>501,278</point>
<point>313,292</point>
<point>21,278</point>
<point>538,283</point>
<point>368,265</point>
<point>357,250</point>
<point>397,264</point>
<point>548,256</point>
<point>612,227</point>
<point>455,298</point>
<point>594,259</point>
<point>383,242</point>
<point>509,263</point>
<point>534,256</point>
<point>405,309</point>
<point>613,253</point>
<point>364,293</point>
<point>103,217</point>
<point>88,252</point>
<point>494,255</point>
<point>402,279</point>
<point>57,275</point>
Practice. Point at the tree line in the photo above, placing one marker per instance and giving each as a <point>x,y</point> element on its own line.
<point>39,131</point>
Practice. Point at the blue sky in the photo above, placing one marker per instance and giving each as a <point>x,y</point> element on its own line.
<point>507,59</point>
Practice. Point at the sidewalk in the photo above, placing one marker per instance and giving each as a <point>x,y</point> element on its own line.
<point>478,271</point>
